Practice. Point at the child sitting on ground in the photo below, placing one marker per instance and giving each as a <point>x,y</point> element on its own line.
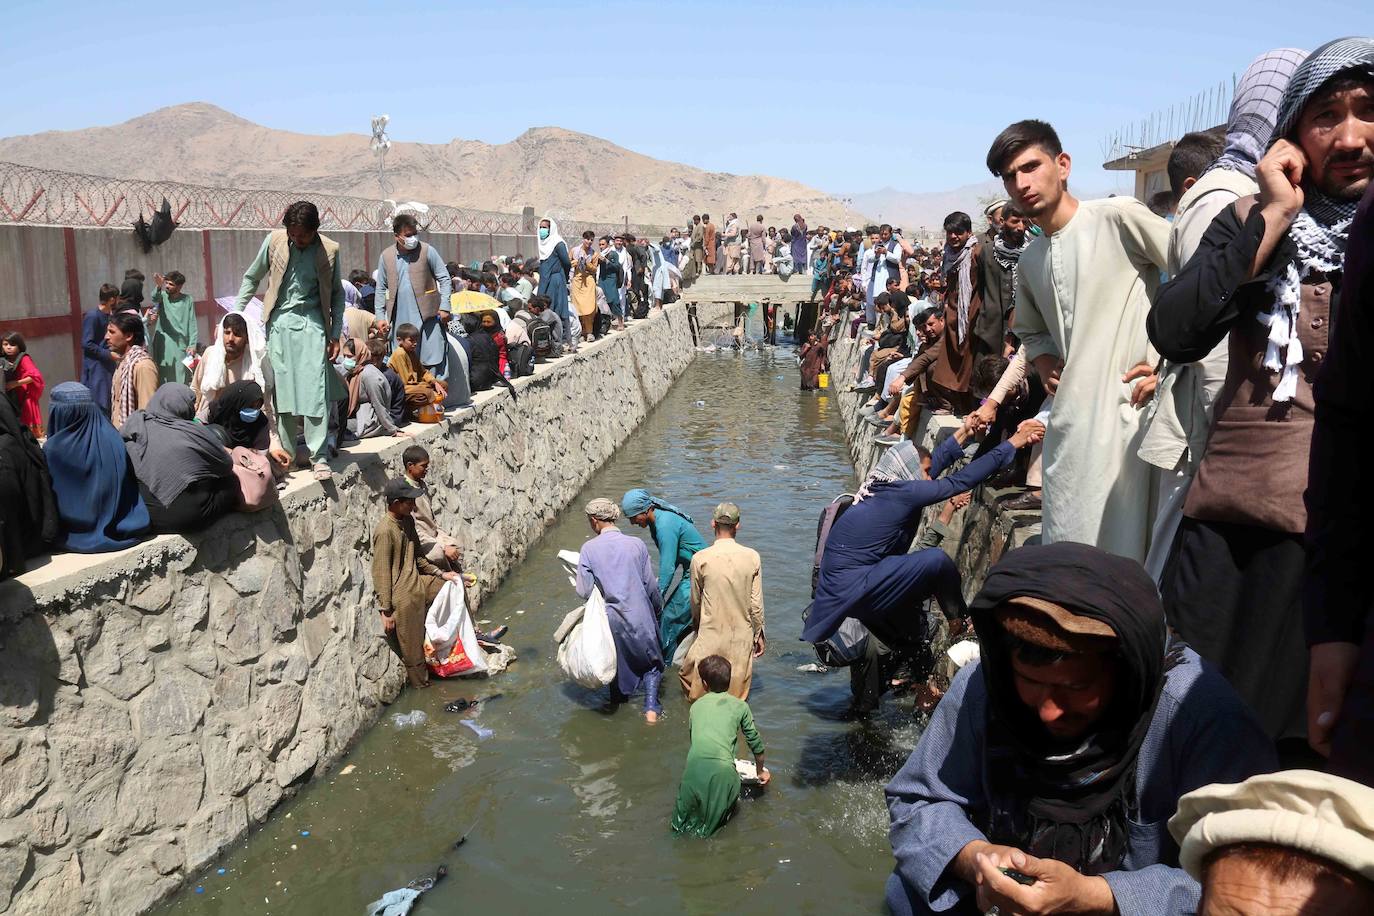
<point>422,387</point>
<point>710,784</point>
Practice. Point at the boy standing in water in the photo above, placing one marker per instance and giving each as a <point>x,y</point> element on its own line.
<point>710,784</point>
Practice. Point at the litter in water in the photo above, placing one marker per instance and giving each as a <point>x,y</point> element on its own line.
<point>482,733</point>
<point>701,404</point>
<point>748,772</point>
<point>818,669</point>
<point>460,704</point>
<point>961,653</point>
<point>219,871</point>
<point>305,833</point>
<point>399,901</point>
<point>199,889</point>
<point>348,769</point>
<point>409,719</point>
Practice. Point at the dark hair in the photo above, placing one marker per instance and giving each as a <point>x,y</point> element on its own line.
<point>358,276</point>
<point>1009,210</point>
<point>129,325</point>
<point>588,235</point>
<point>302,214</point>
<point>870,230</point>
<point>414,454</point>
<point>404,221</point>
<point>133,273</point>
<point>923,453</point>
<point>1341,81</point>
<point>455,270</point>
<point>108,292</point>
<point>715,673</point>
<point>1193,152</point>
<point>882,299</point>
<point>1034,654</point>
<point>507,279</point>
<point>605,238</point>
<point>1020,136</point>
<point>407,331</point>
<point>235,322</point>
<point>987,372</point>
<point>378,348</point>
<point>1161,202</point>
<point>958,221</point>
<point>705,216</point>
<point>176,277</point>
<point>538,301</point>
<point>17,340</point>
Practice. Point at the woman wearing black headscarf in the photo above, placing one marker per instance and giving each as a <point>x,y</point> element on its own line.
<point>28,510</point>
<point>1063,752</point>
<point>184,472</point>
<point>238,411</point>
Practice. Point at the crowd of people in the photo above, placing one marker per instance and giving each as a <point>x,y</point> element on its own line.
<point>1184,659</point>
<point>325,357</point>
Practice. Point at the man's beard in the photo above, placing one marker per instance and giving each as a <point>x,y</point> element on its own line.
<point>1012,238</point>
<point>1349,189</point>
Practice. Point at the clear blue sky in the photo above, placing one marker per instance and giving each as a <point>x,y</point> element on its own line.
<point>845,96</point>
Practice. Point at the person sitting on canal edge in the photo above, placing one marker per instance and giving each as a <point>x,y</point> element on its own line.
<point>709,789</point>
<point>405,581</point>
<point>422,388</point>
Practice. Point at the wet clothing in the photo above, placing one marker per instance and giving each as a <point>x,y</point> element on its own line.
<point>406,583</point>
<point>678,541</point>
<point>727,612</point>
<point>619,566</point>
<point>866,572</point>
<point>710,784</point>
<point>815,359</point>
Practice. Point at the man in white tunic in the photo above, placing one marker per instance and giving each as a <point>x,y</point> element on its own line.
<point>1083,291</point>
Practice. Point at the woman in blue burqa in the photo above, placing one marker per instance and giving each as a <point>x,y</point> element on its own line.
<point>678,541</point>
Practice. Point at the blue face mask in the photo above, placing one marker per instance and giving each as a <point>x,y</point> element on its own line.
<point>250,414</point>
<point>543,233</point>
<point>348,364</point>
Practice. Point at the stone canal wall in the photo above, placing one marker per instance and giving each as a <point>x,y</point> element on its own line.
<point>158,702</point>
<point>980,533</point>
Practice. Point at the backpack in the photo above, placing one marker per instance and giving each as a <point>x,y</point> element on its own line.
<point>520,358</point>
<point>849,643</point>
<point>540,334</point>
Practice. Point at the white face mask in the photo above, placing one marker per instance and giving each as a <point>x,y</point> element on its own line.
<point>410,242</point>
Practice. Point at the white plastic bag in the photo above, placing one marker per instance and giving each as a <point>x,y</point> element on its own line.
<point>587,651</point>
<point>449,624</point>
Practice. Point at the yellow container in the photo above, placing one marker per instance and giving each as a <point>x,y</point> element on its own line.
<point>823,379</point>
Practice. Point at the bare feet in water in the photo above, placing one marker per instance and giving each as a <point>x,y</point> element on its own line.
<point>651,717</point>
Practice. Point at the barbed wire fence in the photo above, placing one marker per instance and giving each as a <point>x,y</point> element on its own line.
<point>1208,108</point>
<point>35,196</point>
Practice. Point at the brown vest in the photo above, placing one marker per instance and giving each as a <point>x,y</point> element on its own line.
<point>422,282</point>
<point>279,255</point>
<point>1255,468</point>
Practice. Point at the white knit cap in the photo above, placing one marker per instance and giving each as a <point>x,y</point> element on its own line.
<point>1320,814</point>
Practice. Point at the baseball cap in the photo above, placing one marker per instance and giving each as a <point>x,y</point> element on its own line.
<point>400,488</point>
<point>727,513</point>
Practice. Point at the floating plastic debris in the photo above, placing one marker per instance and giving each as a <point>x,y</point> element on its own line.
<point>348,769</point>
<point>482,733</point>
<point>305,833</point>
<point>219,871</point>
<point>409,719</point>
<point>813,667</point>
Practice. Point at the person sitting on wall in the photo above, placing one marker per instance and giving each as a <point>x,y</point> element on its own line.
<point>421,386</point>
<point>184,473</point>
<point>1044,779</point>
<point>406,583</point>
<point>238,355</point>
<point>135,377</point>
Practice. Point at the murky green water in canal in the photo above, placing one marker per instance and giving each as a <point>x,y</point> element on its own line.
<point>569,806</point>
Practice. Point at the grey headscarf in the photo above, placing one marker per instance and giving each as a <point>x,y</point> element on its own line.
<point>901,462</point>
<point>1255,107</point>
<point>170,452</point>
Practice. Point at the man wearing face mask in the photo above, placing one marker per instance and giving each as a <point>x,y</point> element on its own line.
<point>414,284</point>
<point>303,309</point>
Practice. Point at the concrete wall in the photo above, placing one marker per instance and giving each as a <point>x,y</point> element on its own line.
<point>51,275</point>
<point>158,702</point>
<point>981,532</point>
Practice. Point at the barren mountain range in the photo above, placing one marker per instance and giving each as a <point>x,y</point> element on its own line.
<point>551,169</point>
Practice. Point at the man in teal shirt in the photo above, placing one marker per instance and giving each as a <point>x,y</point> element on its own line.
<point>678,541</point>
<point>303,310</point>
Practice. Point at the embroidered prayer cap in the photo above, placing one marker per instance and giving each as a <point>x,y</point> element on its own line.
<point>1317,813</point>
<point>1334,57</point>
<point>602,510</point>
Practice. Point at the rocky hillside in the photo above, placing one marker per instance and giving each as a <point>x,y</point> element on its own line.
<point>548,168</point>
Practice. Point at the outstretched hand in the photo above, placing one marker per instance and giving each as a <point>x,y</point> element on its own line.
<point>1028,433</point>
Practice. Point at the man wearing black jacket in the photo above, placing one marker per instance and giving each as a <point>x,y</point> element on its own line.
<point>1268,274</point>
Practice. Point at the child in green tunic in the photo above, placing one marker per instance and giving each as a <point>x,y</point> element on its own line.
<point>710,784</point>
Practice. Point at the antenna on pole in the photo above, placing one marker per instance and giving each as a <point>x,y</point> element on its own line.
<point>381,143</point>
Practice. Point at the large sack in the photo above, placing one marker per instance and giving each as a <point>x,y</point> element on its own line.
<point>450,639</point>
<point>586,650</point>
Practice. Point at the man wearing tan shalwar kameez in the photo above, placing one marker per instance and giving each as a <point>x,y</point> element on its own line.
<point>727,607</point>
